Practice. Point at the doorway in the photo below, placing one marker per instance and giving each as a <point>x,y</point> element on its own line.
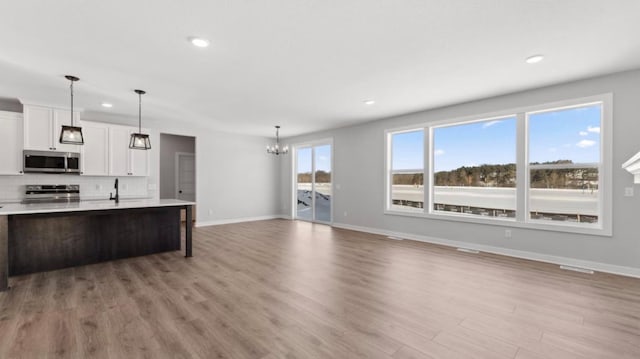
<point>178,167</point>
<point>185,187</point>
<point>313,182</point>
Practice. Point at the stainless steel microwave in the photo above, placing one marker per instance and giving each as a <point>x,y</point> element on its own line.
<point>51,162</point>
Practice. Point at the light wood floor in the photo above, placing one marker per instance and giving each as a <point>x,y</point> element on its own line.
<point>286,289</point>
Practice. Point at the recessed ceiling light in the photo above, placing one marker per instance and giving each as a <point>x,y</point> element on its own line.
<point>107,105</point>
<point>369,102</point>
<point>199,42</point>
<point>534,59</point>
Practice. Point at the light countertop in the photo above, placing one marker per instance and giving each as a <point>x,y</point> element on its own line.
<point>91,205</point>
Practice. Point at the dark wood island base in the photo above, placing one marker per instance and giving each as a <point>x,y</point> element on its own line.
<point>48,241</point>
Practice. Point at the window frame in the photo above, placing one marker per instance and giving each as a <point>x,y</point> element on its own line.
<point>389,166</point>
<point>523,170</point>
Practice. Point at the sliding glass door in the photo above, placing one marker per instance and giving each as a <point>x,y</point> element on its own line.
<point>313,183</point>
<point>304,185</point>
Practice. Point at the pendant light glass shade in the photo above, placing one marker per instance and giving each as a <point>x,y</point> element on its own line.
<point>71,135</point>
<point>139,141</point>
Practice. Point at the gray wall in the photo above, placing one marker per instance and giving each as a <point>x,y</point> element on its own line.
<point>169,146</point>
<point>359,153</point>
<point>235,178</point>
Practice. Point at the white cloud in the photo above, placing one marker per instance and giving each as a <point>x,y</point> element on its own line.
<point>438,152</point>
<point>489,124</point>
<point>593,129</point>
<point>583,133</point>
<point>585,143</point>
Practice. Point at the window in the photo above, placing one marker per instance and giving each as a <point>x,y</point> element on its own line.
<point>474,167</point>
<point>407,171</point>
<point>545,167</point>
<point>564,164</point>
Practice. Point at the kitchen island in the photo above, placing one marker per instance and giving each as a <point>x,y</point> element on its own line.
<point>49,236</point>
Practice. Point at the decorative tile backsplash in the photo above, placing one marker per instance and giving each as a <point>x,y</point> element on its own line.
<point>12,187</point>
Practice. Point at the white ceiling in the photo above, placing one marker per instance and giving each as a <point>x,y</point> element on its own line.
<point>304,64</point>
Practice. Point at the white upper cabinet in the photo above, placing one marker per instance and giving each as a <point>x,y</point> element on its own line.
<point>105,151</point>
<point>38,126</point>
<point>42,127</point>
<point>95,151</point>
<point>10,143</point>
<point>119,150</point>
<point>123,160</point>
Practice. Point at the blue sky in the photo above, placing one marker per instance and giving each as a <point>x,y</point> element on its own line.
<point>572,134</point>
<point>323,158</point>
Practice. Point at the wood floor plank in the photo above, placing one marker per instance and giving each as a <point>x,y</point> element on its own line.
<point>287,289</point>
<point>407,352</point>
<point>92,336</point>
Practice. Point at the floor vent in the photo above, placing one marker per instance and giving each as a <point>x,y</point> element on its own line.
<point>467,250</point>
<point>395,238</point>
<point>577,269</point>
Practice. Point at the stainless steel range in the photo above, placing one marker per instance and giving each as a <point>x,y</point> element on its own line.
<point>47,193</point>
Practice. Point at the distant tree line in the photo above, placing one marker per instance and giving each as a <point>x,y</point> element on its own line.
<point>321,177</point>
<point>479,176</point>
<point>571,178</point>
<point>504,175</point>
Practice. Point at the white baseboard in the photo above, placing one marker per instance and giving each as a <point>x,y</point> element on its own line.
<point>237,220</point>
<point>564,261</point>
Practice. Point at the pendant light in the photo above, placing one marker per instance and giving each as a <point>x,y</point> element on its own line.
<point>71,135</point>
<point>276,150</point>
<point>139,141</point>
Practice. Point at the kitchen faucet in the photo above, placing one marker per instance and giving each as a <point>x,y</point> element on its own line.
<point>117,197</point>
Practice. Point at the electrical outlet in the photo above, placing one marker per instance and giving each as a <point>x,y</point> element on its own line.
<point>337,186</point>
<point>98,187</point>
<point>507,233</point>
<point>345,213</point>
<point>628,191</point>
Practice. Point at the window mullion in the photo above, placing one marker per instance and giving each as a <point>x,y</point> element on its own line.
<point>522,171</point>
<point>427,169</point>
<point>389,166</point>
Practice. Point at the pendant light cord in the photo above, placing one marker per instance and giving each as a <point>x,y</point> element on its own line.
<point>139,113</point>
<point>71,86</point>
